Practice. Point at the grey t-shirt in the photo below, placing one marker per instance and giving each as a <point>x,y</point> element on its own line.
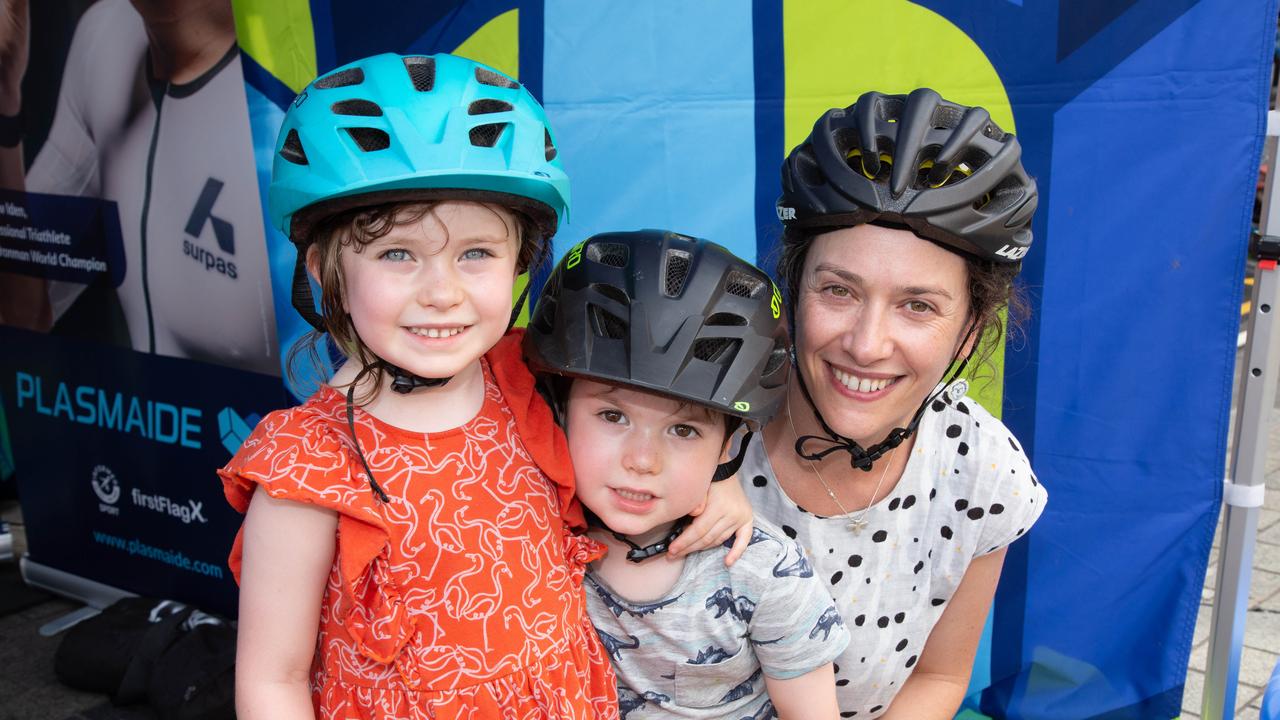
<point>701,650</point>
<point>968,490</point>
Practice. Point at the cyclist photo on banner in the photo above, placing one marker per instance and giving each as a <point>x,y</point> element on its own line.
<point>150,117</point>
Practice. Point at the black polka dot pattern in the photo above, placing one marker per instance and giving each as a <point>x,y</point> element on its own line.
<point>888,582</point>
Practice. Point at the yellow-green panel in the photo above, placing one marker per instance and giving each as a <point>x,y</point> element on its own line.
<point>279,36</point>
<point>496,44</point>
<point>831,57</point>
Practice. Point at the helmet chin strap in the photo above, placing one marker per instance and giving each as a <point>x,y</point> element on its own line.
<point>637,553</point>
<point>863,458</point>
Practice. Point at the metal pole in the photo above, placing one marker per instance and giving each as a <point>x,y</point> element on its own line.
<point>1245,484</point>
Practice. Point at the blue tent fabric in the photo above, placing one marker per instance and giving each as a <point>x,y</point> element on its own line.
<point>1142,121</point>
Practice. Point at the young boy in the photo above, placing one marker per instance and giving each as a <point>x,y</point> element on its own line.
<point>658,347</point>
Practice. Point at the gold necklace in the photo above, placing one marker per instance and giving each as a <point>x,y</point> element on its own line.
<point>855,523</point>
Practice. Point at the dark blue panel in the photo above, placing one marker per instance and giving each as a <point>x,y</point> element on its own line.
<point>1080,20</point>
<point>116,452</point>
<point>770,94</point>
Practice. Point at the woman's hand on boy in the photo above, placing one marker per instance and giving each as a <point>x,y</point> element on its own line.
<point>725,513</point>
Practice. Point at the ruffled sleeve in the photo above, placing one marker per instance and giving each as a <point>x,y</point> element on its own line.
<point>535,424</point>
<point>304,455</point>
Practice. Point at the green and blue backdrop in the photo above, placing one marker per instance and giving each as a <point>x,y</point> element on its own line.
<point>1142,121</point>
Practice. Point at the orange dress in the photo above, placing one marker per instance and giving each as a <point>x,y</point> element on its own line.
<point>462,597</point>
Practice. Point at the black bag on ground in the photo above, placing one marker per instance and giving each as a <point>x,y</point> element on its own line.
<point>97,653</point>
<point>195,678</point>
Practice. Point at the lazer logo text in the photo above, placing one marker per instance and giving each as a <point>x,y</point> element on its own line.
<point>1011,252</point>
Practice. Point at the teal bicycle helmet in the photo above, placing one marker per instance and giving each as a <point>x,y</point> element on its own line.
<point>394,127</point>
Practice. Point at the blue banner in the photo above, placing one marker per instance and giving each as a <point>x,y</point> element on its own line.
<point>1142,122</point>
<point>117,456</point>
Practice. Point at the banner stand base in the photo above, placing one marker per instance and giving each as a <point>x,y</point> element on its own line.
<point>94,595</point>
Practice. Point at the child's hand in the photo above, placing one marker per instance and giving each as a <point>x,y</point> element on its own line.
<point>725,513</point>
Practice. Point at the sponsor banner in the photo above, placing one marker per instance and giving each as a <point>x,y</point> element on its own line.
<point>122,449</point>
<point>60,237</point>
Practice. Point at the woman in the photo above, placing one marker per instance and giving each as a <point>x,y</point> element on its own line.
<point>906,218</point>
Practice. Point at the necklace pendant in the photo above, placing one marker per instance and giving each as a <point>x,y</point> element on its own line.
<point>856,525</point>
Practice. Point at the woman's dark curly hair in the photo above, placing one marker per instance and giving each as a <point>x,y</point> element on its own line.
<point>991,289</point>
<point>353,230</point>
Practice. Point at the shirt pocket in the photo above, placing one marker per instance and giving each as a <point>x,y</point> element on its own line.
<point>711,684</point>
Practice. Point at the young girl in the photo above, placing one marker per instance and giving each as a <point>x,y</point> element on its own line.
<point>407,548</point>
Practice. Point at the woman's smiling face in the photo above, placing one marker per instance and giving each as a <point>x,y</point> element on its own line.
<point>880,314</point>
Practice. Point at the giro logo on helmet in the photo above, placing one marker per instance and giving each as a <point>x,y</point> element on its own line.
<point>786,213</point>
<point>1013,253</point>
<point>775,303</point>
<point>575,255</point>
<point>741,406</point>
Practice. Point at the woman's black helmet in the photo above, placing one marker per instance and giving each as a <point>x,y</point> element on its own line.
<point>944,170</point>
<point>660,311</point>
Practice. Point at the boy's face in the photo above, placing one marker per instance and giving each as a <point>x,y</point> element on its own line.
<point>433,296</point>
<point>641,460</point>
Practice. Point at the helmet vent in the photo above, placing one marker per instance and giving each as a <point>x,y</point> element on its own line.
<point>743,285</point>
<point>807,167</point>
<point>370,139</point>
<point>342,78</point>
<point>611,254</point>
<point>725,320</point>
<point>422,72</point>
<point>550,147</point>
<point>489,77</point>
<point>487,135</point>
<point>542,321</point>
<point>292,150</point>
<point>488,106</point>
<point>615,294</point>
<point>720,351</point>
<point>674,271</point>
<point>776,358</point>
<point>606,324</point>
<point>356,107</point>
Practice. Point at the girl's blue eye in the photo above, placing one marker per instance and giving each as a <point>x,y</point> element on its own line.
<point>396,255</point>
<point>476,254</point>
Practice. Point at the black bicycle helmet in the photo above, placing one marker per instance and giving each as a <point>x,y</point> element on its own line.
<point>660,311</point>
<point>945,171</point>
